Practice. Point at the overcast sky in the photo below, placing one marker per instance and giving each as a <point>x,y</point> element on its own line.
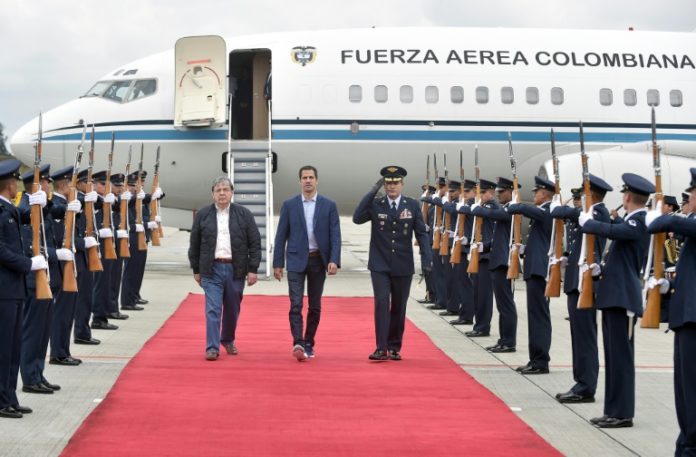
<point>53,51</point>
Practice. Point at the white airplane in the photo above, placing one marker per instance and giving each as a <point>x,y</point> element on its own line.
<point>353,101</point>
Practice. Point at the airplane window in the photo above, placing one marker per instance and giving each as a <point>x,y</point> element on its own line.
<point>653,97</point>
<point>556,95</point>
<point>432,95</point>
<point>355,93</point>
<point>507,95</point>
<point>142,88</point>
<point>381,94</point>
<point>606,97</point>
<point>406,94</point>
<point>457,94</point>
<point>532,95</point>
<point>97,89</point>
<point>676,98</point>
<point>481,94</point>
<point>630,97</point>
<point>117,90</point>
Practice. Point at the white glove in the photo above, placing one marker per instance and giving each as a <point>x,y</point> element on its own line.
<point>460,205</point>
<point>106,233</point>
<point>564,261</point>
<point>38,198</point>
<point>38,263</point>
<point>75,206</point>
<point>121,233</point>
<point>651,216</point>
<point>425,193</point>
<point>90,242</point>
<point>158,219</point>
<point>141,195</point>
<point>464,240</point>
<point>584,217</point>
<point>152,225</point>
<point>65,255</point>
<point>91,197</point>
<point>662,283</point>
<point>555,202</point>
<point>475,205</point>
<point>109,198</point>
<point>126,195</point>
<point>521,249</point>
<point>157,194</point>
<point>479,246</point>
<point>596,269</point>
<point>139,228</point>
<point>436,198</point>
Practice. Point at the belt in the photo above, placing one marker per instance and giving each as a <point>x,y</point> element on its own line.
<point>314,254</point>
<point>223,260</point>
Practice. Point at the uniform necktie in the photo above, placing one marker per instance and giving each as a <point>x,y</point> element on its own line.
<point>393,207</point>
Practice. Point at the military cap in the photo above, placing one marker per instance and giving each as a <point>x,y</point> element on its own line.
<point>118,179</point>
<point>82,176</point>
<point>693,179</point>
<point>542,183</point>
<point>505,184</point>
<point>430,188</point>
<point>99,176</point>
<point>469,184</point>
<point>637,184</point>
<point>393,173</point>
<point>599,185</point>
<point>441,181</point>
<point>9,169</point>
<point>576,192</point>
<point>486,184</point>
<point>63,173</point>
<point>685,197</point>
<point>45,173</point>
<point>671,200</point>
<point>454,185</point>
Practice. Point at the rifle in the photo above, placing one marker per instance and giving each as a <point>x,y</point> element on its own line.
<point>425,206</point>
<point>444,238</point>
<point>43,288</point>
<point>69,268</point>
<point>478,222</point>
<point>154,205</point>
<point>456,253</point>
<point>142,244</point>
<point>516,232</point>
<point>587,252</point>
<point>553,280</point>
<point>438,212</point>
<point>93,255</point>
<point>651,315</point>
<point>109,249</point>
<point>123,244</point>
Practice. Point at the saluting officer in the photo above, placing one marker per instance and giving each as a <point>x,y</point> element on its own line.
<point>14,267</point>
<point>619,297</point>
<point>682,319</point>
<point>498,261</point>
<point>535,266</point>
<point>583,322</point>
<point>394,219</point>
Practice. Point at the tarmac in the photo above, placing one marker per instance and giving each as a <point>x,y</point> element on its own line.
<point>168,280</point>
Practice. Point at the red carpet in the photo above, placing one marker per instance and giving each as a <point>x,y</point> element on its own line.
<point>170,401</point>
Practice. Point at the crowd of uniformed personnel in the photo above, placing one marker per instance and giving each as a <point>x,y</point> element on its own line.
<point>30,323</point>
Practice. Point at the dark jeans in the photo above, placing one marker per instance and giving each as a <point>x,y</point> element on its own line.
<point>315,275</point>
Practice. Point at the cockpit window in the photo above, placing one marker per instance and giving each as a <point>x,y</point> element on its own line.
<point>142,88</point>
<point>98,89</point>
<point>117,90</point>
<point>123,91</point>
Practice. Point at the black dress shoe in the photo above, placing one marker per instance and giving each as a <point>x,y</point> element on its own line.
<point>379,356</point>
<point>476,334</point>
<point>22,409</point>
<point>141,301</point>
<point>435,306</point>
<point>103,326</point>
<point>572,397</point>
<point>53,387</point>
<point>132,308</point>
<point>533,370</point>
<point>394,355</point>
<point>91,341</point>
<point>10,413</point>
<point>447,313</point>
<point>36,389</point>
<point>523,367</point>
<point>500,349</point>
<point>118,316</point>
<point>461,322</point>
<point>612,422</point>
<point>68,361</point>
<point>425,301</point>
<point>595,420</point>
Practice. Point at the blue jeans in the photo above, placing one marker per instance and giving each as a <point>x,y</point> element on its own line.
<point>223,296</point>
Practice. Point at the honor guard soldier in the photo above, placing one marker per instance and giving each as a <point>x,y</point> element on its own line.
<point>535,266</point>
<point>498,259</point>
<point>619,297</point>
<point>14,267</point>
<point>394,219</point>
<point>64,312</point>
<point>685,207</point>
<point>682,319</point>
<point>583,322</point>
<point>117,188</point>
<point>36,326</point>
<point>428,192</point>
<point>438,272</point>
<point>452,286</point>
<point>134,267</point>
<point>462,280</point>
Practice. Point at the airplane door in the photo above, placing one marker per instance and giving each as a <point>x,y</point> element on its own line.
<point>201,91</point>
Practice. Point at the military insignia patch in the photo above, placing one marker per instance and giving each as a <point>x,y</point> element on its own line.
<point>382,216</point>
<point>632,223</point>
<point>406,214</point>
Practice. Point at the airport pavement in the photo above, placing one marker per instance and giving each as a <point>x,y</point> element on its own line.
<point>168,279</point>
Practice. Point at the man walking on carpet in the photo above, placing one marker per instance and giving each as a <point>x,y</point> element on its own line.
<point>309,235</point>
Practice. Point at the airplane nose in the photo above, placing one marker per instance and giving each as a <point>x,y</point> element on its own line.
<point>22,142</point>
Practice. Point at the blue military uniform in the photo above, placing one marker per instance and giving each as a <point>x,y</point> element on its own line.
<point>427,274</point>
<point>14,266</point>
<point>102,279</point>
<point>621,266</point>
<point>535,268</point>
<point>451,272</point>
<point>439,272</point>
<point>117,179</point>
<point>682,321</point>
<point>134,267</point>
<point>391,259</point>
<point>462,280</point>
